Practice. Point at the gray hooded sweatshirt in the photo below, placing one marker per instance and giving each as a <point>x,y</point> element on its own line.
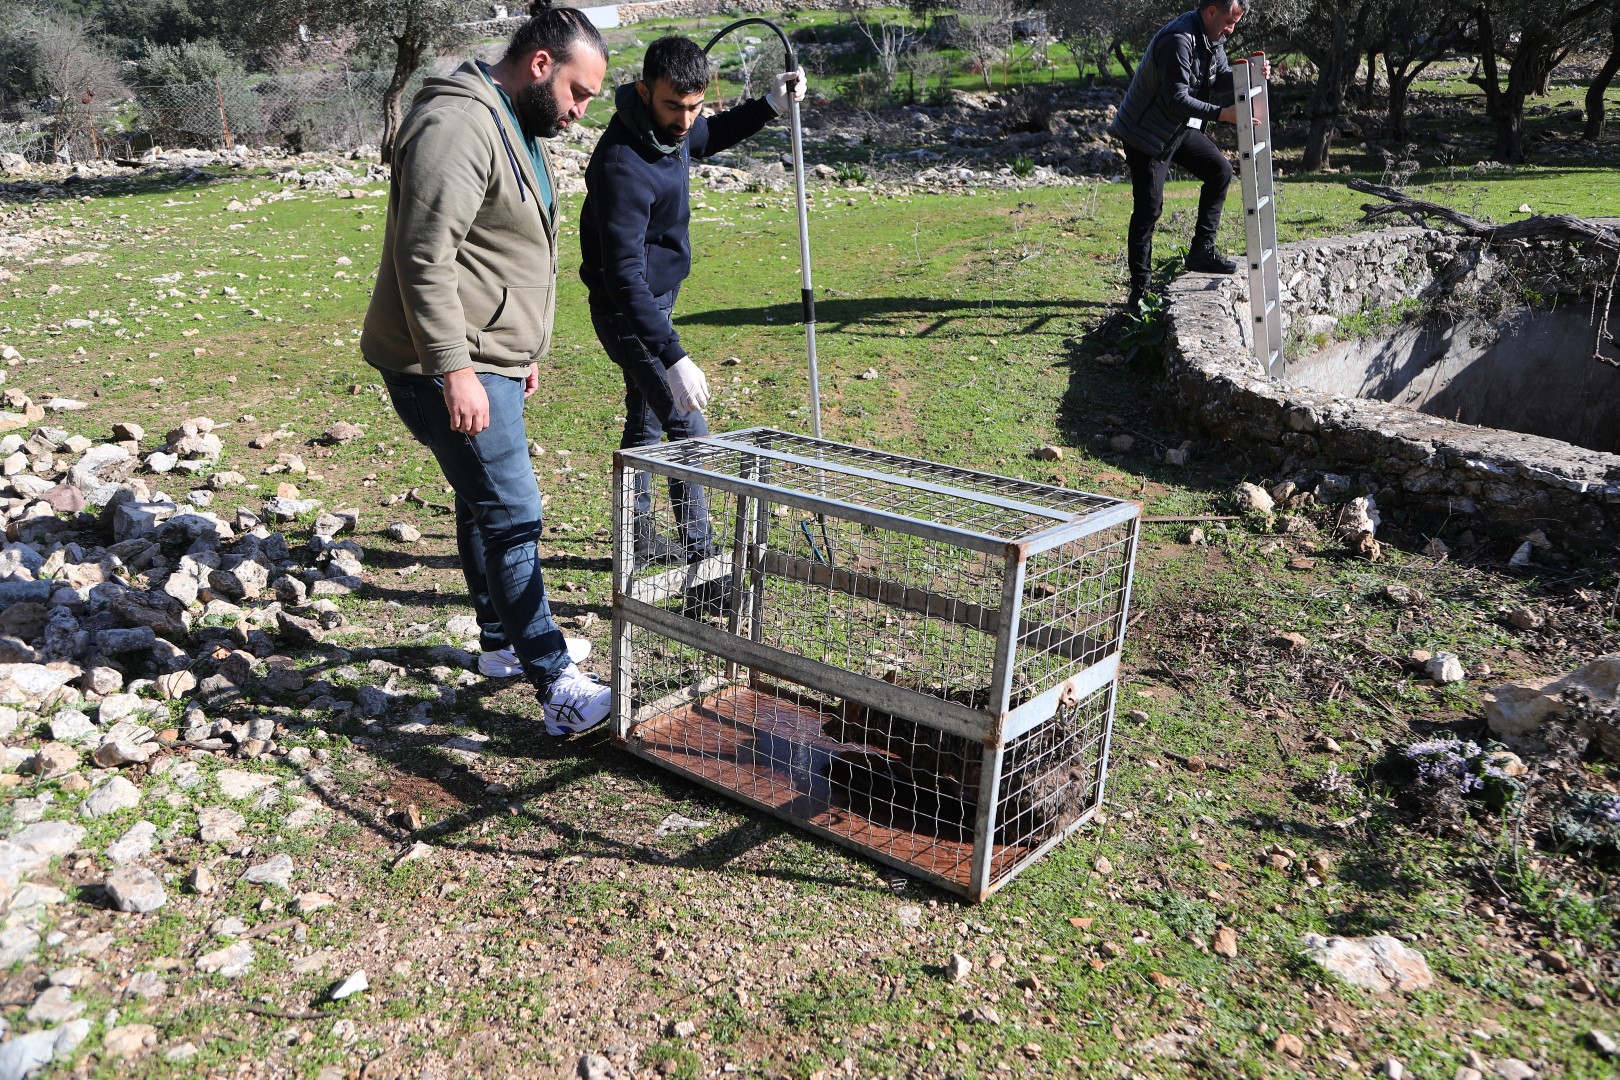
<point>469,259</point>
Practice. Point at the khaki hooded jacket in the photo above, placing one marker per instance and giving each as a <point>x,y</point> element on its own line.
<point>469,260</point>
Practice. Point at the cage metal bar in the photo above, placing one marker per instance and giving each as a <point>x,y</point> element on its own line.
<point>1039,709</point>
<point>911,869</point>
<point>815,504</point>
<point>1058,535</point>
<point>1064,497</point>
<point>948,716</point>
<point>904,481</point>
<point>623,568</point>
<point>984,829</point>
<point>1113,692</point>
<point>997,883</point>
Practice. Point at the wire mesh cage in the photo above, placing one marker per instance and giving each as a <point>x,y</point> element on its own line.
<point>915,660</point>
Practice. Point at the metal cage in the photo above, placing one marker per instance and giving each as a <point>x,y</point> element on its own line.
<point>915,660</point>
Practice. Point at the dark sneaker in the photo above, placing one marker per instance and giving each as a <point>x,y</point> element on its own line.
<point>1206,260</point>
<point>659,551</point>
<point>1134,303</point>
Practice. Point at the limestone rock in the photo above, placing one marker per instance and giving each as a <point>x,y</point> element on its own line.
<point>231,961</point>
<point>54,759</point>
<point>1252,498</point>
<point>111,797</point>
<point>1379,962</point>
<point>136,842</point>
<point>129,1040</point>
<point>135,889</point>
<point>1445,668</point>
<point>1516,711</point>
<point>277,871</point>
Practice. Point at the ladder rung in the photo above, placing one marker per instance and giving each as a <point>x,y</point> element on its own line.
<point>1264,200</point>
<point>1271,305</point>
<point>1259,146</point>
<point>1274,355</point>
<point>1264,255</point>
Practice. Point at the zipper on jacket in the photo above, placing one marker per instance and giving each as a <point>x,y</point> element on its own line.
<point>511,157</point>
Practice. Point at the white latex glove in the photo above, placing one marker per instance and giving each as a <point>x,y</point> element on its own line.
<point>780,89</point>
<point>688,386</point>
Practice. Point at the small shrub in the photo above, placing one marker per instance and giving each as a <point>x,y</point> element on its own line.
<point>1146,327</point>
<point>1023,166</point>
<point>1589,823</point>
<point>851,172</point>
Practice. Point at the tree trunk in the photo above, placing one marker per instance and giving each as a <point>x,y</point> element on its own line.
<point>1600,85</point>
<point>408,53</point>
<point>1401,75</point>
<point>1398,85</point>
<point>1371,93</point>
<point>1327,98</point>
<point>1124,61</point>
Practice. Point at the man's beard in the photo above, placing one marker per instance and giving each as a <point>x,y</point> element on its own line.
<point>667,133</point>
<point>537,108</point>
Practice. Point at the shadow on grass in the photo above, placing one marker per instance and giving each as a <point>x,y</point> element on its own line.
<point>879,314</point>
<point>475,811</point>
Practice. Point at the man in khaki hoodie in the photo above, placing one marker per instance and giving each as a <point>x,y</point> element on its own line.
<point>462,312</point>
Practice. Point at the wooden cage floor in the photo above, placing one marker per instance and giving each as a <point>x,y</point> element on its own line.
<point>771,750</point>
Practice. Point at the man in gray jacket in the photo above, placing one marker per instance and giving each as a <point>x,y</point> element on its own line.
<point>462,312</point>
<point>1174,93</point>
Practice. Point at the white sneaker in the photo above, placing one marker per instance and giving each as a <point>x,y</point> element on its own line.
<point>504,663</point>
<point>576,702</point>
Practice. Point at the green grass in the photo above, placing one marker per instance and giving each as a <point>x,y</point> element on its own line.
<point>977,312</point>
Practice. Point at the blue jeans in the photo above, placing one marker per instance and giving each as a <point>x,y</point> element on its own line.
<point>497,515</point>
<point>649,415</point>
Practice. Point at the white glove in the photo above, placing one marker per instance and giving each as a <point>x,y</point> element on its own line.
<point>688,386</point>
<point>778,94</point>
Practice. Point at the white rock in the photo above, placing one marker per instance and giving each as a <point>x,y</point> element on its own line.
<point>110,797</point>
<point>1252,498</point>
<point>135,889</point>
<point>51,839</point>
<point>237,784</point>
<point>278,871</point>
<point>136,842</point>
<point>231,961</point>
<point>1517,710</point>
<point>1378,963</point>
<point>1445,668</point>
<point>355,983</point>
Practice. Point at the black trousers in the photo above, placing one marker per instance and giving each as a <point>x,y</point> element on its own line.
<point>1198,154</point>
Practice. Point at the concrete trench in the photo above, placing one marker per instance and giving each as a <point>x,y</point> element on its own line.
<point>1502,425</point>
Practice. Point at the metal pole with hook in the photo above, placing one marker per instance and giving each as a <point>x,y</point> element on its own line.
<point>807,292</point>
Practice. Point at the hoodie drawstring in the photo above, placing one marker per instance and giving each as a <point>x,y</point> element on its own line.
<point>511,157</point>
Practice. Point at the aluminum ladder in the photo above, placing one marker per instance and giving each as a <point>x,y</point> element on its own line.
<point>1259,209</point>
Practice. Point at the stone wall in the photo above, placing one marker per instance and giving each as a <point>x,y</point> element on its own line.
<point>1497,482</point>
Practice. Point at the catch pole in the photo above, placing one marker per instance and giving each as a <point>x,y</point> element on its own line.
<point>807,289</point>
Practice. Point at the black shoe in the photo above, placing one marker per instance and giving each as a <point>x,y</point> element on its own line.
<point>658,551</point>
<point>1204,259</point>
<point>1134,303</point>
<point>707,599</point>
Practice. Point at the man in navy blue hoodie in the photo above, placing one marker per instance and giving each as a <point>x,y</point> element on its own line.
<point>633,236</point>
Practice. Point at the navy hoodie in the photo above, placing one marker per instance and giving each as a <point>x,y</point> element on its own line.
<point>633,226</point>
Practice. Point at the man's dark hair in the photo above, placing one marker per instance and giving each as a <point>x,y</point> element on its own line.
<point>1225,5</point>
<point>557,30</point>
<point>680,61</point>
